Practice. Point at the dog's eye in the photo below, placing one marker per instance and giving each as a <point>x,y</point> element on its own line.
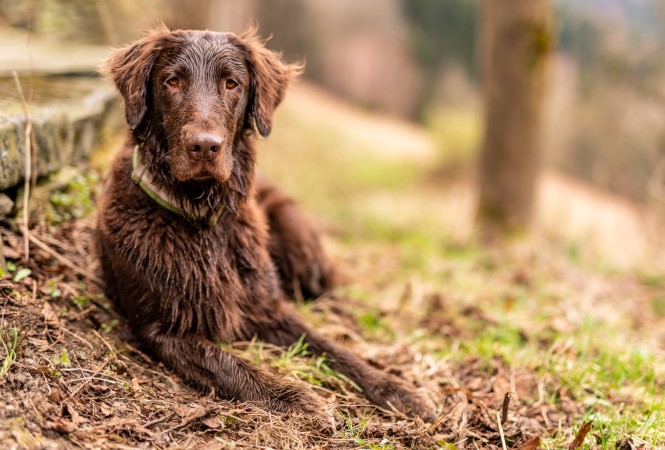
<point>231,84</point>
<point>173,82</point>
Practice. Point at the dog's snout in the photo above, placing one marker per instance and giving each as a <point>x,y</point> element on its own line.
<point>204,145</point>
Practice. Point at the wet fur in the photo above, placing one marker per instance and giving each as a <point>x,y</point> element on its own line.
<point>185,287</point>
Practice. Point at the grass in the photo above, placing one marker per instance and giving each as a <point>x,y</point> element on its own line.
<point>297,362</point>
<point>10,340</point>
<point>549,324</point>
<point>617,378</point>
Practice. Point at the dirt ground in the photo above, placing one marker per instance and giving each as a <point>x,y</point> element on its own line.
<point>80,381</point>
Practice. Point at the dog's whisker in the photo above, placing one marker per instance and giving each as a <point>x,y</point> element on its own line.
<point>161,158</point>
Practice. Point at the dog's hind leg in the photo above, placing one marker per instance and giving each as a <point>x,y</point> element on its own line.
<point>295,247</point>
<point>201,362</point>
<point>383,389</point>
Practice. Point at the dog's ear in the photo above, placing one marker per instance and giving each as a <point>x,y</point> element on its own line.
<point>269,78</point>
<point>129,67</point>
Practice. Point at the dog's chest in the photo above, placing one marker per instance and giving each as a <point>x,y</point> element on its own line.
<point>193,277</point>
<point>194,261</point>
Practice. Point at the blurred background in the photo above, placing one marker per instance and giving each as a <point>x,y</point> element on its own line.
<point>490,179</point>
<point>414,78</point>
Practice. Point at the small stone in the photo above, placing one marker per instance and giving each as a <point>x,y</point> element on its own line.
<point>6,205</point>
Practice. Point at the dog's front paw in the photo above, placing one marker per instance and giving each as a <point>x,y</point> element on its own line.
<point>391,392</point>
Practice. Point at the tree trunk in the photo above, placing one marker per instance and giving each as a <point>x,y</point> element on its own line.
<point>516,41</point>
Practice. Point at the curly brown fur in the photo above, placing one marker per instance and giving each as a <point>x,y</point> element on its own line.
<point>194,100</point>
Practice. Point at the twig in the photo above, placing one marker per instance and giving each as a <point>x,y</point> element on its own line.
<point>65,261</point>
<point>111,350</point>
<point>503,437</point>
<point>441,419</point>
<point>28,164</point>
<point>77,337</point>
<point>187,422</point>
<point>85,312</point>
<point>53,242</point>
<point>164,418</point>
<point>504,407</point>
<point>393,410</point>
<point>163,375</point>
<point>92,377</point>
<point>543,412</point>
<point>87,380</point>
<point>56,341</point>
<point>138,352</point>
<point>77,369</point>
<point>108,425</point>
<point>456,444</point>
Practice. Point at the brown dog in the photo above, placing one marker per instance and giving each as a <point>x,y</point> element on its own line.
<point>193,248</point>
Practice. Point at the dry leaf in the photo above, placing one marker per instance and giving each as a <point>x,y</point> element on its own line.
<point>213,422</point>
<point>530,444</point>
<point>188,413</point>
<point>40,344</point>
<point>50,317</point>
<point>62,426</point>
<point>581,434</point>
<point>69,410</point>
<point>105,409</point>
<point>55,396</point>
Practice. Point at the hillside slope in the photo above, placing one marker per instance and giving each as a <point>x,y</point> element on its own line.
<point>530,325</point>
<point>608,227</point>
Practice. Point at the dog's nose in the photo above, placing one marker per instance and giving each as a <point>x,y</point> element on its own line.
<point>204,145</point>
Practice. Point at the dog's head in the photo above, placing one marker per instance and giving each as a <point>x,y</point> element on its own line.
<point>200,91</point>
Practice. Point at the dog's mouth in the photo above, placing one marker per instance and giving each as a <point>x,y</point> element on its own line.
<point>202,174</point>
<point>202,177</point>
<point>202,171</point>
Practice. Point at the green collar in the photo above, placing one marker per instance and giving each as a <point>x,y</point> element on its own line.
<point>143,177</point>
